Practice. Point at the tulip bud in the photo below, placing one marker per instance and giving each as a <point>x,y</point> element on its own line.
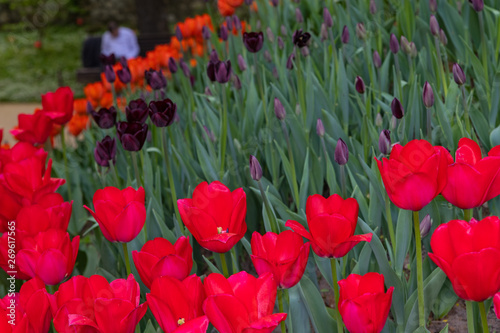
<point>253,41</point>
<point>304,51</point>
<point>458,74</point>
<point>275,3</point>
<point>397,109</point>
<point>360,31</point>
<point>267,56</point>
<point>208,92</point>
<point>209,134</point>
<point>428,95</point>
<point>223,71</point>
<point>373,7</point>
<point>224,33</point>
<point>185,68</point>
<point>327,18</point>
<point>124,75</point>
<point>442,37</point>
<point>172,65</point>
<point>276,74</point>
<point>379,120</point>
<point>297,109</point>
<point>214,56</point>
<point>320,129</point>
<point>377,62</point>
<point>341,155</point>
<point>255,168</point>
<point>211,70</point>
<point>178,33</point>
<point>425,225</point>
<point>105,118</point>
<point>405,45</point>
<point>289,61</point>
<point>434,25</point>
<point>248,2</point>
<point>206,33</point>
<point>433,5</point>
<point>109,73</point>
<point>345,35</point>
<point>413,50</point>
<point>360,85</point>
<point>279,109</point>
<point>394,44</point>
<point>123,61</point>
<point>155,79</point>
<point>281,44</point>
<point>236,22</point>
<point>283,30</point>
<point>242,63</point>
<point>270,35</point>
<point>323,32</point>
<point>478,5</point>
<point>229,22</point>
<point>298,15</point>
<point>384,142</point>
<point>236,82</point>
<point>105,151</point>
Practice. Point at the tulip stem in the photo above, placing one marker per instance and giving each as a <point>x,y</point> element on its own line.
<point>223,262</point>
<point>127,260</point>
<point>429,125</point>
<point>440,65</point>
<point>173,193</point>
<point>267,205</point>
<point>420,277</point>
<point>292,166</point>
<point>470,317</point>
<point>389,222</point>
<point>467,214</point>
<point>115,173</point>
<point>466,112</point>
<point>340,326</point>
<point>342,181</point>
<point>484,318</point>
<point>136,169</point>
<point>223,139</point>
<point>483,44</point>
<point>65,159</point>
<point>280,308</point>
<point>398,75</point>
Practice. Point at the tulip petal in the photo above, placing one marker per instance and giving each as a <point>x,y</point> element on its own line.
<point>292,275</point>
<point>173,266</point>
<point>226,313</point>
<point>343,248</point>
<point>266,324</point>
<point>216,200</point>
<point>298,228</point>
<point>163,313</point>
<point>197,325</point>
<point>496,302</point>
<point>117,309</point>
<point>129,222</point>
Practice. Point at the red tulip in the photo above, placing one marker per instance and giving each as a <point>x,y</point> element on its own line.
<point>58,105</point>
<point>284,255</point>
<point>242,303</point>
<point>215,215</point>
<point>472,180</point>
<point>5,256</point>
<point>50,256</point>
<point>29,310</point>
<point>469,254</point>
<point>414,174</point>
<point>19,152</point>
<point>94,305</point>
<point>121,214</point>
<point>177,306</point>
<point>363,303</point>
<point>158,257</point>
<point>496,302</point>
<point>332,223</point>
<point>33,128</point>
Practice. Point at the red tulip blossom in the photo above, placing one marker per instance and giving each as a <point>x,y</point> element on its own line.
<point>33,128</point>
<point>332,222</point>
<point>472,180</point>
<point>158,257</point>
<point>469,254</point>
<point>6,258</point>
<point>284,255</point>
<point>58,105</point>
<point>29,310</point>
<point>121,214</point>
<point>414,174</point>
<point>242,303</point>
<point>177,306</point>
<point>94,305</point>
<point>496,303</point>
<point>215,215</point>
<point>50,255</point>
<point>363,303</point>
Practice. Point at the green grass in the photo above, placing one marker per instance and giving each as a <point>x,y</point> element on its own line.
<point>27,72</point>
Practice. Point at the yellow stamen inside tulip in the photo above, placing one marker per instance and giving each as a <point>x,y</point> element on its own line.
<point>221,231</point>
<point>181,321</point>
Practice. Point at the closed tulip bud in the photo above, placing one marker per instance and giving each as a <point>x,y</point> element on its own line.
<point>345,35</point>
<point>304,51</point>
<point>236,22</point>
<point>155,79</point>
<point>298,15</point>
<point>205,32</point>
<point>379,120</point>
<point>289,61</point>
<point>377,62</point>
<point>281,44</point>
<point>394,122</point>
<point>178,33</point>
<point>360,31</point>
<point>123,62</point>
<point>360,85</point>
<point>283,30</point>
<point>209,134</point>
<point>223,71</point>
<point>211,70</point>
<point>236,82</point>
<point>248,2</point>
<point>428,95</point>
<point>327,18</point>
<point>270,35</point>
<point>124,75</point>
<point>105,151</point>
<point>276,74</point>
<point>341,155</point>
<point>105,118</point>
<point>434,25</point>
<point>267,56</point>
<point>172,65</point>
<point>229,22</point>
<point>394,44</point>
<point>458,74</point>
<point>185,68</point>
<point>397,109</point>
<point>323,32</point>
<point>242,63</point>
<point>208,92</point>
<point>253,41</point>
<point>478,5</point>
<point>275,3</point>
<point>279,109</point>
<point>425,225</point>
<point>384,142</point>
<point>224,33</point>
<point>405,45</point>
<point>373,7</point>
<point>109,73</point>
<point>413,50</point>
<point>255,168</point>
<point>433,5</point>
<point>297,109</point>
<point>320,128</point>
<point>442,37</point>
<point>213,56</point>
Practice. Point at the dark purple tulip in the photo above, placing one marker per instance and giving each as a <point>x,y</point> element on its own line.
<point>242,64</point>
<point>105,118</point>
<point>458,74</point>
<point>345,35</point>
<point>123,61</point>
<point>178,33</point>
<point>478,5</point>
<point>155,79</point>
<point>236,82</point>
<point>105,151</point>
<point>132,135</point>
<point>281,44</point>
<point>223,71</point>
<point>248,2</point>
<point>341,154</point>
<point>90,108</point>
<point>229,22</point>
<point>397,109</point>
<point>224,33</point>
<point>109,73</point>
<point>327,18</point>
<point>384,142</point>
<point>124,75</point>
<point>162,113</point>
<point>428,95</point>
<point>320,128</point>
<point>425,225</point>
<point>279,109</point>
<point>394,44</point>
<point>434,25</point>
<point>172,65</point>
<point>107,60</point>
<point>360,31</point>
<point>376,59</point>
<point>137,111</point>
<point>253,41</point>
<point>237,22</point>
<point>298,15</point>
<point>275,3</point>
<point>214,56</point>
<point>300,38</point>
<point>255,168</point>
<point>433,5</point>
<point>442,37</point>
<point>211,70</point>
<point>290,60</point>
<point>205,32</point>
<point>185,68</point>
<point>373,7</point>
<point>360,85</point>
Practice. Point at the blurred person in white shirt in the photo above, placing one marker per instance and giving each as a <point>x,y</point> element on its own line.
<point>120,41</point>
